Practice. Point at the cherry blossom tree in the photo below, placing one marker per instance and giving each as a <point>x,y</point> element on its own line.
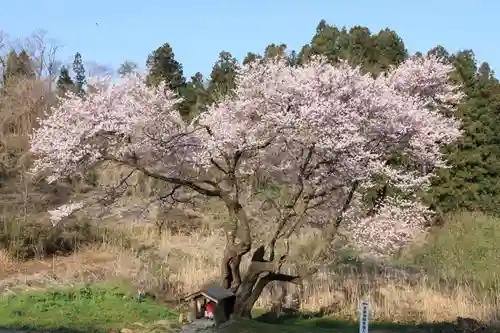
<point>320,132</point>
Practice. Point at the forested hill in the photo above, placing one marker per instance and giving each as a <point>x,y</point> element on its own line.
<point>472,182</point>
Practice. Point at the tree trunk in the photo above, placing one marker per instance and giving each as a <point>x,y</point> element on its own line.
<point>260,272</point>
<point>258,276</point>
<point>244,304</point>
<point>246,296</point>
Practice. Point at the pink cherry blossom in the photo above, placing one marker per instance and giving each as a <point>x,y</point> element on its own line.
<point>64,211</point>
<point>317,130</point>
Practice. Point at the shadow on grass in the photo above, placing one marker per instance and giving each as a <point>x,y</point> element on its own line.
<point>304,323</point>
<point>26,329</point>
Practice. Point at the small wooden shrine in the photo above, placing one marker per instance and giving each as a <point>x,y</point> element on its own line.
<point>221,298</point>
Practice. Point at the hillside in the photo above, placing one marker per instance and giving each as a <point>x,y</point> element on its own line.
<point>157,207</point>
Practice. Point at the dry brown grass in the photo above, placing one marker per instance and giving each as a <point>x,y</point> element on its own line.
<point>178,264</point>
<point>193,261</point>
<point>4,258</point>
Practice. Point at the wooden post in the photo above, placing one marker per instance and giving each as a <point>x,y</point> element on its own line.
<point>193,311</point>
<point>198,305</point>
<point>191,316</point>
<point>220,312</point>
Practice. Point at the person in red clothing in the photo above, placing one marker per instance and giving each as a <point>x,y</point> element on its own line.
<point>209,310</point>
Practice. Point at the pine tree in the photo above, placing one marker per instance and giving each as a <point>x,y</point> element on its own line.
<point>196,97</point>
<point>375,53</point>
<point>11,66</point>
<point>251,57</point>
<point>79,70</point>
<point>162,66</point>
<point>127,67</point>
<point>25,66</point>
<point>223,75</point>
<point>389,50</point>
<point>473,181</point>
<point>273,51</point>
<point>64,82</point>
<point>17,66</point>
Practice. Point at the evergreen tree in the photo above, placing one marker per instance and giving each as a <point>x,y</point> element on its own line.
<point>162,66</point>
<point>11,66</point>
<point>64,82</point>
<point>25,66</point>
<point>485,73</point>
<point>18,65</point>
<point>127,67</point>
<point>196,97</point>
<point>79,70</point>
<point>222,77</point>
<point>273,51</point>
<point>375,53</point>
<point>293,58</point>
<point>473,181</point>
<point>250,57</point>
<point>389,50</point>
<point>304,54</point>
<point>439,51</point>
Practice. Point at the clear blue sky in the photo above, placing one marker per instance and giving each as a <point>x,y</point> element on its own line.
<point>198,30</point>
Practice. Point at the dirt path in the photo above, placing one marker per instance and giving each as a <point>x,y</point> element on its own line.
<point>199,325</point>
<point>84,266</point>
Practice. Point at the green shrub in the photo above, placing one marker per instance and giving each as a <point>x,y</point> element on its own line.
<point>33,239</point>
<point>465,250</point>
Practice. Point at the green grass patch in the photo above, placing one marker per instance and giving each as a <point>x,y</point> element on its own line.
<point>87,308</point>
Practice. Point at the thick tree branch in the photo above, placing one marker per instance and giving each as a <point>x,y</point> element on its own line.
<point>340,217</point>
<point>218,166</point>
<point>333,229</point>
<point>291,206</point>
<point>195,186</point>
<point>215,191</point>
<point>269,277</point>
<point>173,197</point>
<point>112,194</point>
<point>235,251</point>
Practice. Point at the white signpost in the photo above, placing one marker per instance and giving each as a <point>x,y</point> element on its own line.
<point>363,317</point>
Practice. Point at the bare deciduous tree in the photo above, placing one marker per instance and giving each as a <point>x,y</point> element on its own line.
<point>22,103</point>
<point>43,53</point>
<point>3,55</point>
<point>95,69</point>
